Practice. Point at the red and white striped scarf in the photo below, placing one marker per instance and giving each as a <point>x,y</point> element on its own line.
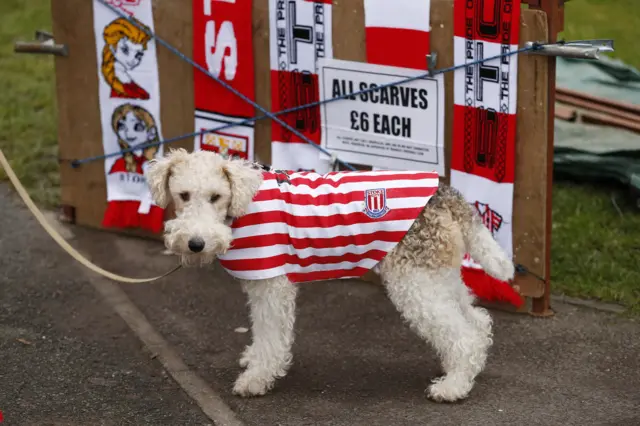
<point>484,125</point>
<point>223,44</point>
<point>299,33</point>
<point>313,227</point>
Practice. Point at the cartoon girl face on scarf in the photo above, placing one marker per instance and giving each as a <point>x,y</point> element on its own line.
<point>134,126</point>
<point>124,49</point>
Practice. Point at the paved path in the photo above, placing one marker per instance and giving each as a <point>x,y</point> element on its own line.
<point>355,362</point>
<point>66,358</point>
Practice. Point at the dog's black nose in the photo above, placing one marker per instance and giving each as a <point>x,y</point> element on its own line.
<point>196,245</point>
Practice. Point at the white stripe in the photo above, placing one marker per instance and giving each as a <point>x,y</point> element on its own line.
<point>280,249</point>
<point>499,197</point>
<point>289,269</point>
<point>295,156</point>
<point>491,92</point>
<point>471,264</point>
<point>400,14</point>
<point>303,189</point>
<point>300,210</point>
<point>314,15</point>
<point>317,232</point>
<point>337,177</point>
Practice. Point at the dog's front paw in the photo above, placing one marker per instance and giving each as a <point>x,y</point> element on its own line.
<point>502,269</point>
<point>244,361</point>
<point>245,358</point>
<point>250,384</point>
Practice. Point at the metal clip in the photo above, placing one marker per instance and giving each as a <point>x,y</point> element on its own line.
<point>42,35</point>
<point>580,49</point>
<point>432,58</point>
<point>45,44</point>
<point>334,162</point>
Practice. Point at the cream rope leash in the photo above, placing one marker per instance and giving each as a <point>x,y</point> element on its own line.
<point>60,240</point>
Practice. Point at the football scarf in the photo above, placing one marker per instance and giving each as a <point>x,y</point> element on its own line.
<point>484,125</point>
<point>299,34</point>
<point>223,44</point>
<point>313,227</point>
<point>397,32</point>
<point>129,100</point>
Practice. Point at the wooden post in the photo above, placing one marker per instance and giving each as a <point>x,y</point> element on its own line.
<point>555,21</point>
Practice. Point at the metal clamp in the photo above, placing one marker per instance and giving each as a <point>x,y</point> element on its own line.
<point>432,58</point>
<point>45,44</point>
<point>579,49</point>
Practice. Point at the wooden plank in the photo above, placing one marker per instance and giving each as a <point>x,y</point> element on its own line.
<point>442,44</point>
<point>173,22</point>
<point>555,23</point>
<point>348,18</point>
<point>79,132</point>
<point>262,78</point>
<point>531,204</point>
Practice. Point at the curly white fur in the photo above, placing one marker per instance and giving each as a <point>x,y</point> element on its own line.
<point>421,275</point>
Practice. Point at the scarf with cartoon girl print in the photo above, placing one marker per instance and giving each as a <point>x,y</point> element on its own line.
<point>129,97</point>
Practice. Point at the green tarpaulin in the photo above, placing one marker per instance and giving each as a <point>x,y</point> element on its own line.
<point>599,153</point>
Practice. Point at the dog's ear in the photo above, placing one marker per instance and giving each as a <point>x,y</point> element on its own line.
<point>245,179</point>
<point>158,175</point>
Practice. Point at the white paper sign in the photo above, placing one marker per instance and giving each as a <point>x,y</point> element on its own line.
<point>399,127</point>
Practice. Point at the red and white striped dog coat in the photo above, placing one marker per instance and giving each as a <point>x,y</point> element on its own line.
<point>312,227</point>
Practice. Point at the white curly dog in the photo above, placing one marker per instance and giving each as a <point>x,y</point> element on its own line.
<point>421,274</point>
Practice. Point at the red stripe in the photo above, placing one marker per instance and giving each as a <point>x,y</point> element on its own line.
<point>208,94</point>
<point>328,199</point>
<point>290,89</point>
<point>317,243</point>
<point>292,259</point>
<point>489,152</point>
<point>356,178</point>
<point>487,288</point>
<point>496,21</point>
<point>326,275</point>
<point>322,221</point>
<point>397,47</point>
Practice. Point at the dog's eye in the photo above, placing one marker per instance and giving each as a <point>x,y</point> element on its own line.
<point>214,198</point>
<point>184,196</point>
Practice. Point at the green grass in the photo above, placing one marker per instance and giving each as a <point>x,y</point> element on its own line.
<point>595,251</point>
<point>595,247</point>
<point>27,108</point>
<point>615,19</point>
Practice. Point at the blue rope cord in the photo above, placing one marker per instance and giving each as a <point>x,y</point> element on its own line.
<point>267,114</point>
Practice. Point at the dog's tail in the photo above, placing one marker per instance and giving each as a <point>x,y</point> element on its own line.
<point>484,249</point>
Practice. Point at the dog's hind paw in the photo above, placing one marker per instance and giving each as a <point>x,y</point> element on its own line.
<point>251,385</point>
<point>448,389</point>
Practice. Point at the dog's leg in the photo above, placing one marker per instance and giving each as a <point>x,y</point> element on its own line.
<point>272,304</point>
<point>429,299</point>
<point>476,315</point>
